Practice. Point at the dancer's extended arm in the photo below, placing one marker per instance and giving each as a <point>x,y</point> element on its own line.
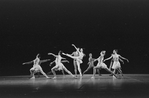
<point>123,58</point>
<point>65,61</point>
<point>108,58</point>
<point>42,61</point>
<point>28,62</point>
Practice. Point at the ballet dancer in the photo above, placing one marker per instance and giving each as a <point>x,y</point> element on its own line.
<point>101,64</point>
<point>116,64</point>
<point>110,67</point>
<point>59,65</point>
<point>75,53</point>
<point>36,66</point>
<point>91,64</point>
<point>78,61</point>
<point>78,53</point>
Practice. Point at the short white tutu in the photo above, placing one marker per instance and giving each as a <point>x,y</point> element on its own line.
<point>36,68</point>
<point>102,65</point>
<point>116,65</point>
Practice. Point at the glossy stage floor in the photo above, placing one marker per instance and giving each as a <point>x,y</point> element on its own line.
<point>105,86</point>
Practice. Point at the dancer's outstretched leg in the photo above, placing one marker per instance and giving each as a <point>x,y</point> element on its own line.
<point>43,73</point>
<point>64,68</point>
<point>89,67</point>
<point>110,72</point>
<point>120,71</point>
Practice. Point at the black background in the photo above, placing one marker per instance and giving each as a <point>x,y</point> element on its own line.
<point>28,27</point>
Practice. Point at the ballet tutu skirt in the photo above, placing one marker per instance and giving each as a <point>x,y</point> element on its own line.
<point>60,66</point>
<point>102,65</point>
<point>37,68</point>
<point>116,65</point>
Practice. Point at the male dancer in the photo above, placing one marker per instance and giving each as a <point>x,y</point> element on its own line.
<point>78,61</point>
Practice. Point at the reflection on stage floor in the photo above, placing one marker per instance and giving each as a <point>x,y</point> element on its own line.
<point>105,86</point>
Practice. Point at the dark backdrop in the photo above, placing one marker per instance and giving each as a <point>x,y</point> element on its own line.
<point>28,27</point>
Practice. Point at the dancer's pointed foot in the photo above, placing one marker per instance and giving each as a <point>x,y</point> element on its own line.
<point>32,78</point>
<point>48,77</point>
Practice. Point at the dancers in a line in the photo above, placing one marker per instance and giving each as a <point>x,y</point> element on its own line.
<point>90,63</point>
<point>77,57</point>
<point>116,64</point>
<point>59,65</point>
<point>101,64</point>
<point>36,66</point>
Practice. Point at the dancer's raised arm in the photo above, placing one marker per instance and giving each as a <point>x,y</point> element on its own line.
<point>52,54</point>
<point>28,62</point>
<point>65,61</point>
<point>75,47</point>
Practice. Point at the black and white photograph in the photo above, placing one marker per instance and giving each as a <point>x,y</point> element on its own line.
<point>74,48</point>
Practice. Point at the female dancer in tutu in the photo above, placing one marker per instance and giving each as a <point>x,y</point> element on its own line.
<point>59,65</point>
<point>36,66</point>
<point>101,64</point>
<point>91,61</point>
<point>116,64</point>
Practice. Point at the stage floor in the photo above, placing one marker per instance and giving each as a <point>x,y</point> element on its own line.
<point>105,86</point>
